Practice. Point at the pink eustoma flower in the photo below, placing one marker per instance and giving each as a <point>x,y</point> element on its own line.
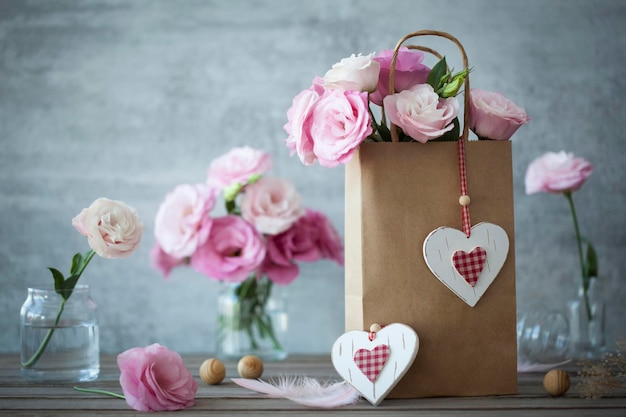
<point>164,262</point>
<point>556,173</point>
<point>493,116</point>
<point>409,72</point>
<point>238,166</point>
<point>154,378</point>
<point>233,251</point>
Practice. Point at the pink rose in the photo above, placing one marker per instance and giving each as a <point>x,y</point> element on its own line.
<point>556,172</point>
<point>409,72</point>
<point>232,252</point>
<point>164,262</point>
<point>420,113</point>
<point>112,228</point>
<point>493,116</point>
<point>182,222</point>
<point>298,125</point>
<point>272,205</point>
<point>358,73</point>
<point>340,121</point>
<point>311,238</point>
<point>156,379</point>
<point>238,166</point>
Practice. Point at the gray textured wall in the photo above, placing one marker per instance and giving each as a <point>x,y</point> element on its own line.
<point>127,99</point>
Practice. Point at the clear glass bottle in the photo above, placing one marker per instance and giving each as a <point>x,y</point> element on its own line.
<point>252,320</point>
<point>586,317</point>
<point>59,347</point>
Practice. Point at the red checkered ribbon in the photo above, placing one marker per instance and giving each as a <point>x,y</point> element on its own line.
<point>371,362</point>
<point>470,265</point>
<point>467,225</point>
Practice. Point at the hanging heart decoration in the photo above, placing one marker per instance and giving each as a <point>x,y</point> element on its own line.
<point>467,265</point>
<point>374,362</point>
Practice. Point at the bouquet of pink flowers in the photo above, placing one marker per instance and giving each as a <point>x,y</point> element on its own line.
<point>265,232</point>
<point>328,121</point>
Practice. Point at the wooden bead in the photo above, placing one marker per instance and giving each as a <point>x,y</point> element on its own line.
<point>212,371</point>
<point>375,327</point>
<point>556,382</point>
<point>465,200</point>
<point>250,367</point>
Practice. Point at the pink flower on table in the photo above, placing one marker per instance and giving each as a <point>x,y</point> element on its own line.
<point>310,239</point>
<point>557,172</point>
<point>238,166</point>
<point>154,378</point>
<point>356,72</point>
<point>272,205</point>
<point>182,222</point>
<point>233,251</point>
<point>164,262</point>
<point>420,113</point>
<point>493,116</point>
<point>409,72</point>
<point>112,228</point>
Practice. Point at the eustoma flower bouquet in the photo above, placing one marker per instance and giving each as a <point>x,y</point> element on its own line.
<point>265,232</point>
<point>328,121</point>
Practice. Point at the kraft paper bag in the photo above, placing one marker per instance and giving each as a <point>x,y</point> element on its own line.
<point>396,194</point>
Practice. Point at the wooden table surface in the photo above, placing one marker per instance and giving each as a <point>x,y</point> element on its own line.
<point>20,398</point>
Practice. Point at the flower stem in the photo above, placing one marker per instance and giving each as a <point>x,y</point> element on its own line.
<point>44,343</point>
<point>99,391</point>
<point>568,195</point>
<point>64,297</point>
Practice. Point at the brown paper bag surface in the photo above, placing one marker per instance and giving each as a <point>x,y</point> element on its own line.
<point>396,194</point>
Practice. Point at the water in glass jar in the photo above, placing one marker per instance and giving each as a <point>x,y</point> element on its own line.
<point>72,354</point>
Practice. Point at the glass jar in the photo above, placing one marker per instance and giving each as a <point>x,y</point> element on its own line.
<point>252,320</point>
<point>60,341</point>
<point>542,336</point>
<point>586,314</point>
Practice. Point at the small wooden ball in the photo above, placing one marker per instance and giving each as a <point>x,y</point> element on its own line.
<point>465,200</point>
<point>375,328</point>
<point>212,371</point>
<point>250,367</point>
<point>556,382</point>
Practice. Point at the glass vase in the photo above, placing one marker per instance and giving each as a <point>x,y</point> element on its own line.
<point>252,320</point>
<point>60,341</point>
<point>542,336</point>
<point>586,314</point>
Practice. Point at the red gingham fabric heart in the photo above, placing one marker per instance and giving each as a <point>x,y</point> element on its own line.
<point>470,265</point>
<point>371,362</point>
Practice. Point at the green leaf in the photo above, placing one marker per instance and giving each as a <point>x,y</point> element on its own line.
<point>59,280</point>
<point>384,132</point>
<point>591,261</point>
<point>68,286</point>
<point>77,261</point>
<point>438,73</point>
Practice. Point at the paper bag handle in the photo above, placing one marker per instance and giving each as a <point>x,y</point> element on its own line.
<point>392,70</point>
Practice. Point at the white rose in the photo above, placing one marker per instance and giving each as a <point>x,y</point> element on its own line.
<point>358,73</point>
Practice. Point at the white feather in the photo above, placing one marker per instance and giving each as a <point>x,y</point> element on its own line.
<point>304,390</point>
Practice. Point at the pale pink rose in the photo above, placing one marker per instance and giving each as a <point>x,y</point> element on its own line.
<point>298,126</point>
<point>340,122</point>
<point>233,251</point>
<point>272,205</point>
<point>154,378</point>
<point>163,262</point>
<point>556,172</point>
<point>420,113</point>
<point>182,222</point>
<point>357,72</point>
<point>493,116</point>
<point>238,166</point>
<point>112,228</point>
<point>409,72</point>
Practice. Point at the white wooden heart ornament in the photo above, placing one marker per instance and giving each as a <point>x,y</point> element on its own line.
<point>373,367</point>
<point>467,265</point>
